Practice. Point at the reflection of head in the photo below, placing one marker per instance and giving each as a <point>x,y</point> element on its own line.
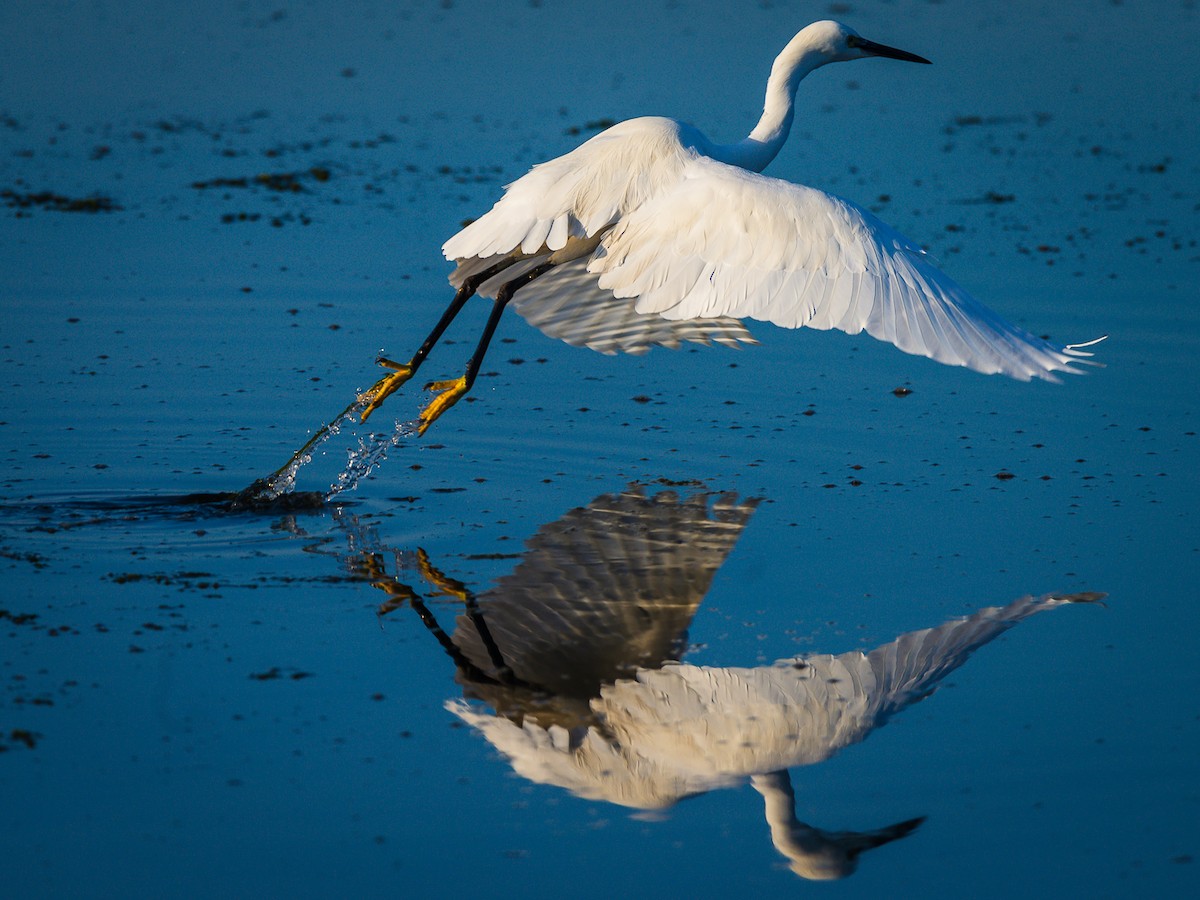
<point>812,853</point>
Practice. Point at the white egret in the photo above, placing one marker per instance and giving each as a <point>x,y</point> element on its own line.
<point>650,233</point>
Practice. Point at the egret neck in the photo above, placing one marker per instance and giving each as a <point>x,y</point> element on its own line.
<point>798,59</point>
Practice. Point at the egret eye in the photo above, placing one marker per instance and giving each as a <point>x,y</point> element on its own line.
<point>852,40</point>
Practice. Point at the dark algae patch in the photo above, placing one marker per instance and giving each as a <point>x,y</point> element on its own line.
<point>18,737</point>
<point>283,182</point>
<point>95,203</point>
<point>275,673</point>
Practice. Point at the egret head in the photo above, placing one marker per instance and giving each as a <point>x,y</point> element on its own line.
<point>840,43</point>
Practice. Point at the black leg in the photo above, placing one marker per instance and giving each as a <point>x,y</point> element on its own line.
<point>266,490</point>
<point>451,391</point>
<point>461,296</point>
<point>401,372</point>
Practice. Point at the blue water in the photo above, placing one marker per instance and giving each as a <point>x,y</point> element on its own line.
<point>201,703</point>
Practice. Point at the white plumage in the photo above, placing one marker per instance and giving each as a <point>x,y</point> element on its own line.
<point>661,236</point>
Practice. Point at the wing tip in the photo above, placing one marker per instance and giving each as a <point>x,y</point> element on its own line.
<point>1096,597</point>
<point>1066,359</point>
<point>1077,349</point>
<point>1074,355</point>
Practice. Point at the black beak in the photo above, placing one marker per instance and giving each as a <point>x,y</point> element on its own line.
<point>883,50</point>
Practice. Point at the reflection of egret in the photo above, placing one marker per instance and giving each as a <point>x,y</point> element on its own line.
<point>681,730</point>
<point>575,653</point>
<point>649,233</point>
<point>607,589</point>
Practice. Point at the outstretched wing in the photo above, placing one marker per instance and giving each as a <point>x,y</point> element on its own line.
<point>579,194</point>
<point>724,242</point>
<point>576,197</point>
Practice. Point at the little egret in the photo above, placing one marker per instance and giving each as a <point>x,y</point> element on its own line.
<point>649,233</point>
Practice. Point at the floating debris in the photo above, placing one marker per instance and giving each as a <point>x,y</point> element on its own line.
<point>21,736</point>
<point>275,672</point>
<point>993,197</point>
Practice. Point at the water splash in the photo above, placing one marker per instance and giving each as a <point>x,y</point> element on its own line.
<point>372,450</point>
<point>283,481</point>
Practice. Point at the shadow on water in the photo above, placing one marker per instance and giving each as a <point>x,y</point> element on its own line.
<point>571,666</point>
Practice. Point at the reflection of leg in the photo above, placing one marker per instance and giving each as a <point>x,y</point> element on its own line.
<point>401,372</point>
<point>449,392</point>
<point>370,567</point>
<point>504,673</point>
<point>440,580</point>
<point>454,588</point>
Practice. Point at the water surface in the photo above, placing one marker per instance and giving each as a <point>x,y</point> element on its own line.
<point>199,702</point>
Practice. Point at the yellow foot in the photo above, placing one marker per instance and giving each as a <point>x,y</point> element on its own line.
<point>448,394</point>
<point>386,386</point>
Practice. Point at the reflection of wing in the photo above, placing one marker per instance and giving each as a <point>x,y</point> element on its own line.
<point>585,762</point>
<point>606,589</point>
<point>683,729</point>
<point>798,711</point>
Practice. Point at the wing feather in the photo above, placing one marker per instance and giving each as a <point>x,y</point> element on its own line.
<point>566,304</point>
<point>578,194</point>
<point>724,242</point>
